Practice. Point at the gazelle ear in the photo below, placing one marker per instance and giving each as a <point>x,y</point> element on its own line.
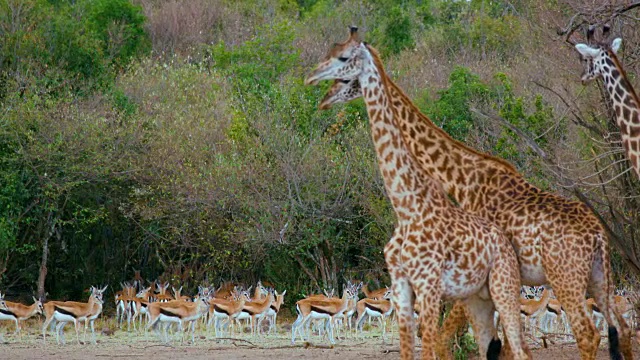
<point>615,45</point>
<point>104,288</point>
<point>586,50</point>
<point>34,299</point>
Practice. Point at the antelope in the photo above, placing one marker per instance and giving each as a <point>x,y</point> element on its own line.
<point>162,295</point>
<point>532,308</point>
<point>375,294</point>
<point>554,313</point>
<point>625,307</point>
<point>177,311</point>
<point>374,308</point>
<point>223,309</point>
<point>256,310</point>
<point>71,311</point>
<point>178,296</point>
<point>328,309</point>
<point>19,312</point>
<point>139,305</point>
<point>272,313</point>
<point>259,294</point>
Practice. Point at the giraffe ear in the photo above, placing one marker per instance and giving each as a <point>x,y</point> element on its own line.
<point>615,45</point>
<point>586,50</point>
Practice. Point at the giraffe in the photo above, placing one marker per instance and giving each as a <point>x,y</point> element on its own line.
<point>558,241</point>
<point>438,251</point>
<point>601,60</point>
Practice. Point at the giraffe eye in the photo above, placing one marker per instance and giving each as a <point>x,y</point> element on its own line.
<point>343,59</point>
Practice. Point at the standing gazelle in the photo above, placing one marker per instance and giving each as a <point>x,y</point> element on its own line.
<point>177,311</point>
<point>72,311</point>
<point>18,312</point>
<point>314,308</point>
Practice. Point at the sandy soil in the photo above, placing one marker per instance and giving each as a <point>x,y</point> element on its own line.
<point>141,345</point>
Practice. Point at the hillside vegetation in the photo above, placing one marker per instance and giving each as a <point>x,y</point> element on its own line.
<point>177,137</point>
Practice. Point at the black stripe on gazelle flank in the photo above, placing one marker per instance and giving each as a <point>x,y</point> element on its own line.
<point>8,312</point>
<point>167,312</point>
<point>65,312</point>
<point>248,311</point>
<point>218,309</point>
<point>320,310</point>
<point>372,307</point>
<point>552,310</point>
<point>274,308</point>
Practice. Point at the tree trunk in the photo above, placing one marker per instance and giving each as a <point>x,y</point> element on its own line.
<point>43,268</point>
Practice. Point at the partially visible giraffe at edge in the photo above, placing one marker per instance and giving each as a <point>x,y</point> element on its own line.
<point>601,60</point>
<point>558,241</point>
<point>438,250</point>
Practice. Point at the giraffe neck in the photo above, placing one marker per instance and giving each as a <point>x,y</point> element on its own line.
<point>406,187</point>
<point>625,104</point>
<point>465,173</point>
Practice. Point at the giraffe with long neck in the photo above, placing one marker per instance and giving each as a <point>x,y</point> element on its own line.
<point>558,241</point>
<point>438,251</point>
<point>601,60</point>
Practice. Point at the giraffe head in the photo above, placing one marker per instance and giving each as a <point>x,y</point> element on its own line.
<point>344,61</point>
<point>597,56</point>
<point>341,91</point>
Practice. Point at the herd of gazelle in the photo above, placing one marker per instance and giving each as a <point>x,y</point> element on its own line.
<point>231,304</point>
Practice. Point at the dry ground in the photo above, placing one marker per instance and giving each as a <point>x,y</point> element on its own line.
<point>140,345</point>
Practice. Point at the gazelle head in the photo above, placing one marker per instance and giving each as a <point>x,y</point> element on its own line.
<point>343,61</point>
<point>596,56</point>
<point>39,307</point>
<point>342,91</point>
<point>98,293</point>
<point>3,305</point>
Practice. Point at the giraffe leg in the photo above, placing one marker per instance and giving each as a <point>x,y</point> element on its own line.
<point>504,286</point>
<point>455,320</point>
<point>481,316</point>
<point>403,297</point>
<point>586,335</point>
<point>429,311</point>
<point>619,331</point>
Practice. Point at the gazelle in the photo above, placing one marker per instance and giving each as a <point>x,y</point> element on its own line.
<point>179,312</point>
<point>19,312</point>
<point>272,313</point>
<point>380,309</point>
<point>71,311</point>
<point>530,309</point>
<point>375,294</point>
<point>256,310</point>
<point>162,295</point>
<point>328,309</point>
<point>227,310</point>
<point>177,294</point>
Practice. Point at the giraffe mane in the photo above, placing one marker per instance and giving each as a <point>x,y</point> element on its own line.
<point>388,82</point>
<point>623,75</point>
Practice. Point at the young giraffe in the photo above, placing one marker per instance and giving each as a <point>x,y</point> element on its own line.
<point>600,60</point>
<point>558,241</point>
<point>438,251</point>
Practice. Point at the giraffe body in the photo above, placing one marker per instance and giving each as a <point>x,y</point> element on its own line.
<point>601,61</point>
<point>558,241</point>
<point>438,251</point>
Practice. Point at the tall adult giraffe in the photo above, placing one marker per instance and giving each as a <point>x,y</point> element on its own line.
<point>438,250</point>
<point>601,60</point>
<point>558,241</point>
